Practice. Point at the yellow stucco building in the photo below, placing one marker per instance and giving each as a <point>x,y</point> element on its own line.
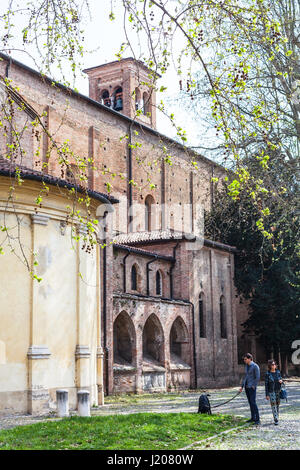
<point>49,330</point>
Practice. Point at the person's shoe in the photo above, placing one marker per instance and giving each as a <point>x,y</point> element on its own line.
<point>257,423</point>
<point>250,420</point>
<point>276,422</point>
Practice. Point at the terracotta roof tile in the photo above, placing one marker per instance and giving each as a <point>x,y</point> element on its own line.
<point>8,168</point>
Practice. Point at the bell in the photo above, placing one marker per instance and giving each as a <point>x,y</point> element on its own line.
<point>119,104</point>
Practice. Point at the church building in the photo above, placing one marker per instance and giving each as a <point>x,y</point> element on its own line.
<point>153,307</point>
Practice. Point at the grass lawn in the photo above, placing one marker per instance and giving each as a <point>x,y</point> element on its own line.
<point>141,431</point>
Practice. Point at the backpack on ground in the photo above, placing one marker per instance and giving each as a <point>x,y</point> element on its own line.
<point>204,405</point>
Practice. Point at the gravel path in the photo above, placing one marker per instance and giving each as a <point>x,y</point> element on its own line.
<point>267,436</point>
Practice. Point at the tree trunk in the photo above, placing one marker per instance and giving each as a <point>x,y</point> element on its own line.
<point>285,369</point>
<point>279,360</point>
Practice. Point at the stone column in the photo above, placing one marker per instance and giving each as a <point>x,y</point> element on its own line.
<point>100,352</point>
<point>62,398</point>
<point>100,355</point>
<point>83,398</point>
<point>82,352</point>
<point>139,359</point>
<point>38,352</point>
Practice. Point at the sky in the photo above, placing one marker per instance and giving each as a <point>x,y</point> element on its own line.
<point>103,38</point>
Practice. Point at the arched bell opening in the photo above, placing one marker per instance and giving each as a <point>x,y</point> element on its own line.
<point>105,98</point>
<point>118,99</point>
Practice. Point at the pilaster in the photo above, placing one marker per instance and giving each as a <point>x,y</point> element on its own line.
<point>38,352</point>
<point>82,351</point>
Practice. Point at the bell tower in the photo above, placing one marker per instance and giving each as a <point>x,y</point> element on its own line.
<point>126,86</point>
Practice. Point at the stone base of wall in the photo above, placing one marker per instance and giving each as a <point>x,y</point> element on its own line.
<point>72,391</point>
<point>218,382</point>
<point>13,403</point>
<point>37,402</point>
<point>124,381</point>
<point>180,379</point>
<point>154,381</point>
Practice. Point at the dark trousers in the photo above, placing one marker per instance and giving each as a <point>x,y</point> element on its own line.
<point>251,395</point>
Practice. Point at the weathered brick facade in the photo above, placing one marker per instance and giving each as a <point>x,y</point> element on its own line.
<point>151,323</point>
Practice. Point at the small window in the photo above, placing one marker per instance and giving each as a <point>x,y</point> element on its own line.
<point>158,283</point>
<point>133,278</point>
<point>201,316</point>
<point>223,317</point>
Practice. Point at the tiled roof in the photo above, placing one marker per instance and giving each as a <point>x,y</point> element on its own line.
<point>148,237</point>
<point>8,168</point>
<point>139,251</point>
<point>160,236</point>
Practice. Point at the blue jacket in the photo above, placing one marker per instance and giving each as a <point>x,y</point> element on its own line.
<point>272,382</point>
<point>252,375</point>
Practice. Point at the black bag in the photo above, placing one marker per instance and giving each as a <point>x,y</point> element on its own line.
<point>204,405</point>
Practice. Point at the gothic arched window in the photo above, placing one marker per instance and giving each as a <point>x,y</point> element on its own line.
<point>145,103</point>
<point>134,278</point>
<point>158,283</point>
<point>149,201</point>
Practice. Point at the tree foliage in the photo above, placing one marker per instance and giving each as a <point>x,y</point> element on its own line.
<point>238,63</point>
<point>238,59</point>
<point>267,271</point>
<point>50,31</point>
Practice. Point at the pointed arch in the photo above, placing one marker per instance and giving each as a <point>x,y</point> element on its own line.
<point>179,341</point>
<point>153,340</point>
<point>124,339</point>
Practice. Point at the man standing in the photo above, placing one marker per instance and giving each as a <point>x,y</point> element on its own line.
<point>250,382</point>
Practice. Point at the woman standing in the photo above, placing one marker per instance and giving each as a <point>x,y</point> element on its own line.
<point>273,383</point>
